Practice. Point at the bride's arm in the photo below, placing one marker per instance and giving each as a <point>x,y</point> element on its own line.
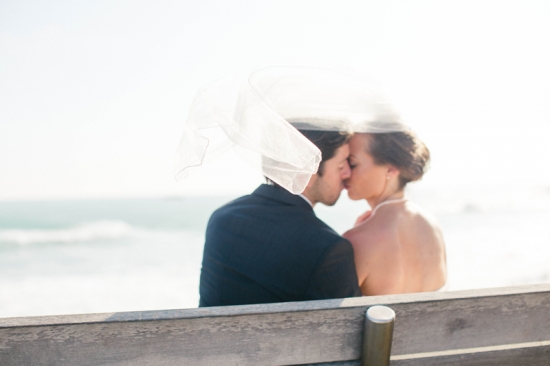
<point>375,260</point>
<point>360,252</point>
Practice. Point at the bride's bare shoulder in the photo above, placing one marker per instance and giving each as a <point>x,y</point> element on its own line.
<point>422,216</point>
<point>386,229</point>
<point>377,232</point>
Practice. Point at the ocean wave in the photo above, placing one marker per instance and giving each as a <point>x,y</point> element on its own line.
<point>91,231</point>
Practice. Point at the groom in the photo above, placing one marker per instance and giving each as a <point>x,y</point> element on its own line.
<point>270,247</point>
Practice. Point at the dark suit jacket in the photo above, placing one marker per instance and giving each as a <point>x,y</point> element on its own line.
<point>270,247</point>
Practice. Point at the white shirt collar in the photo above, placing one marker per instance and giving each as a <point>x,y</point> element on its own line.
<point>301,195</point>
<point>307,199</point>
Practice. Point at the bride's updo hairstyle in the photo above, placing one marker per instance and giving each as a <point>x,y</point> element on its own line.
<point>403,150</point>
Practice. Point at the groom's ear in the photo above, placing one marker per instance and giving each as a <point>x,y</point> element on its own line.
<point>312,180</point>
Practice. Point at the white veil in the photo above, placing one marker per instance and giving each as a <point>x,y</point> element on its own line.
<point>258,116</point>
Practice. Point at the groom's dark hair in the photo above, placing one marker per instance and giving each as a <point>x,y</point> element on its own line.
<point>327,141</point>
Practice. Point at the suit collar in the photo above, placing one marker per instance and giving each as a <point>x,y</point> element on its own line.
<point>282,195</point>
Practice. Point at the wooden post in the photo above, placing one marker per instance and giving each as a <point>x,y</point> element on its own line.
<point>377,336</point>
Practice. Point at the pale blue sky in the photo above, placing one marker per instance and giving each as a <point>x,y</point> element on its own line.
<point>93,95</point>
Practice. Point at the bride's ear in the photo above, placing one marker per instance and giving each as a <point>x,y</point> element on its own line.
<point>392,172</point>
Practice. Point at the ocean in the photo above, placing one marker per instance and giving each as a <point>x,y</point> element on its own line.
<point>89,256</point>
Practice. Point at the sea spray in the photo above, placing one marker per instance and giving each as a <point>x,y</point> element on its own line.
<point>86,232</point>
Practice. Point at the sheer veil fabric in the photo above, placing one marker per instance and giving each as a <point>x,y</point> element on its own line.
<point>258,116</point>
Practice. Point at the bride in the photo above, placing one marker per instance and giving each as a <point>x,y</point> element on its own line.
<point>398,247</point>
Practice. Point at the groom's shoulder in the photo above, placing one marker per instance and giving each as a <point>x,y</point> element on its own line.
<point>243,202</point>
<point>320,232</point>
<point>296,220</point>
<point>265,199</point>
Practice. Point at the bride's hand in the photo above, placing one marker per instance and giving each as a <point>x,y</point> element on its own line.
<point>363,217</point>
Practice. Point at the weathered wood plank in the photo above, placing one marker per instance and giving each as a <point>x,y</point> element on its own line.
<point>270,308</point>
<point>532,356</point>
<point>277,339</point>
<point>278,334</point>
<point>539,356</point>
<point>338,363</point>
<point>471,322</point>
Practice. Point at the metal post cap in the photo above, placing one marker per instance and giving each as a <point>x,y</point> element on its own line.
<point>380,314</point>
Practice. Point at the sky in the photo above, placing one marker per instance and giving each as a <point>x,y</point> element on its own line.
<point>94,95</point>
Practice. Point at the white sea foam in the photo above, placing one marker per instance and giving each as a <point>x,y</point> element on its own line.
<point>86,232</point>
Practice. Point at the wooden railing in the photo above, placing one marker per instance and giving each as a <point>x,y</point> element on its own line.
<point>503,326</point>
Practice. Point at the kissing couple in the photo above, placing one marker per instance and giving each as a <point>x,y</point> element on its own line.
<point>316,132</point>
